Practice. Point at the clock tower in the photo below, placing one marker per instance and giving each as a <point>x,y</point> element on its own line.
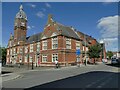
<point>20,26</point>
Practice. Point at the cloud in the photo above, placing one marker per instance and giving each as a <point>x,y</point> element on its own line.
<point>32,5</point>
<point>110,39</point>
<point>108,27</point>
<point>111,44</point>
<point>30,27</point>
<point>40,14</point>
<point>48,5</point>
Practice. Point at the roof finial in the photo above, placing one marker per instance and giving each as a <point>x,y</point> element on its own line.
<point>21,7</point>
<point>50,20</point>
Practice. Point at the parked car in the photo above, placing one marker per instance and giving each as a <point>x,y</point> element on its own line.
<point>119,60</point>
<point>114,61</point>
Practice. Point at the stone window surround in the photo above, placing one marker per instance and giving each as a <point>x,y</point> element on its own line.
<point>68,43</point>
<point>54,42</point>
<point>44,45</point>
<point>44,58</point>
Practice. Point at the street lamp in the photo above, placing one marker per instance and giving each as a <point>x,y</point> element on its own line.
<point>32,63</point>
<point>12,58</point>
<point>37,58</point>
<point>85,49</point>
<point>28,60</point>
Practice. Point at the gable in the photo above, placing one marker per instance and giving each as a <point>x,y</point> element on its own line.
<point>44,37</point>
<point>54,34</point>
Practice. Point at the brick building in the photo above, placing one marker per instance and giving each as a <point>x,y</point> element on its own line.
<point>56,42</point>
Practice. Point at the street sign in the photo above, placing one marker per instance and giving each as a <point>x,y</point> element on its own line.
<point>78,52</point>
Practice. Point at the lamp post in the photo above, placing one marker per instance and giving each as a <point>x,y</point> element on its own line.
<point>37,59</point>
<point>85,50</point>
<point>28,60</point>
<point>32,63</point>
<point>12,58</point>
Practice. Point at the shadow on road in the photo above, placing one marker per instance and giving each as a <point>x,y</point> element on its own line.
<point>114,65</point>
<point>5,72</point>
<point>82,80</point>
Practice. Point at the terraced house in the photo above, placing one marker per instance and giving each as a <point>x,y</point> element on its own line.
<point>56,42</point>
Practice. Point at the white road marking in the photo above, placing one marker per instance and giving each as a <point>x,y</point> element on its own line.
<point>101,85</point>
<point>89,85</point>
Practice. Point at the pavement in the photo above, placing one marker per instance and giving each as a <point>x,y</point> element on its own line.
<point>89,76</point>
<point>17,72</point>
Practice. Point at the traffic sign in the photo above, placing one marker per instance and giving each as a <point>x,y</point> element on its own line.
<point>78,52</point>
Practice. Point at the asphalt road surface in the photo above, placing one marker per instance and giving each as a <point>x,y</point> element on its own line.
<point>96,76</point>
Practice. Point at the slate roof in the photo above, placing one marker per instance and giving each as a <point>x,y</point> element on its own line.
<point>34,38</point>
<point>67,31</point>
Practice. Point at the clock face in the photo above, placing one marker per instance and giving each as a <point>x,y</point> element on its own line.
<point>22,24</point>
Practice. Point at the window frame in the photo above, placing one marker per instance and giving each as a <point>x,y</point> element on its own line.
<point>31,47</point>
<point>38,46</point>
<point>44,57</point>
<point>54,55</point>
<point>68,43</point>
<point>77,45</point>
<point>44,45</point>
<point>55,43</point>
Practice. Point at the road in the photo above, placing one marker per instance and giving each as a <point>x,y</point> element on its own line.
<point>96,76</point>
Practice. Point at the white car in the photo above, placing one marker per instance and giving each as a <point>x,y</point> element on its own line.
<point>114,61</point>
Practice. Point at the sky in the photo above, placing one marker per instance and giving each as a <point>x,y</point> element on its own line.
<point>97,19</point>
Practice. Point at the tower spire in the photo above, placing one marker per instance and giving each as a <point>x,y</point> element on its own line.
<point>21,7</point>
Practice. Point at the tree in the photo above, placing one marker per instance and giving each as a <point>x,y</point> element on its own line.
<point>109,54</point>
<point>3,52</point>
<point>94,51</point>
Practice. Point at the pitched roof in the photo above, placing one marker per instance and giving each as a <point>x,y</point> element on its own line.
<point>34,38</point>
<point>67,31</point>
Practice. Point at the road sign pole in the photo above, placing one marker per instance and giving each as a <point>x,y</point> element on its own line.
<point>78,56</point>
